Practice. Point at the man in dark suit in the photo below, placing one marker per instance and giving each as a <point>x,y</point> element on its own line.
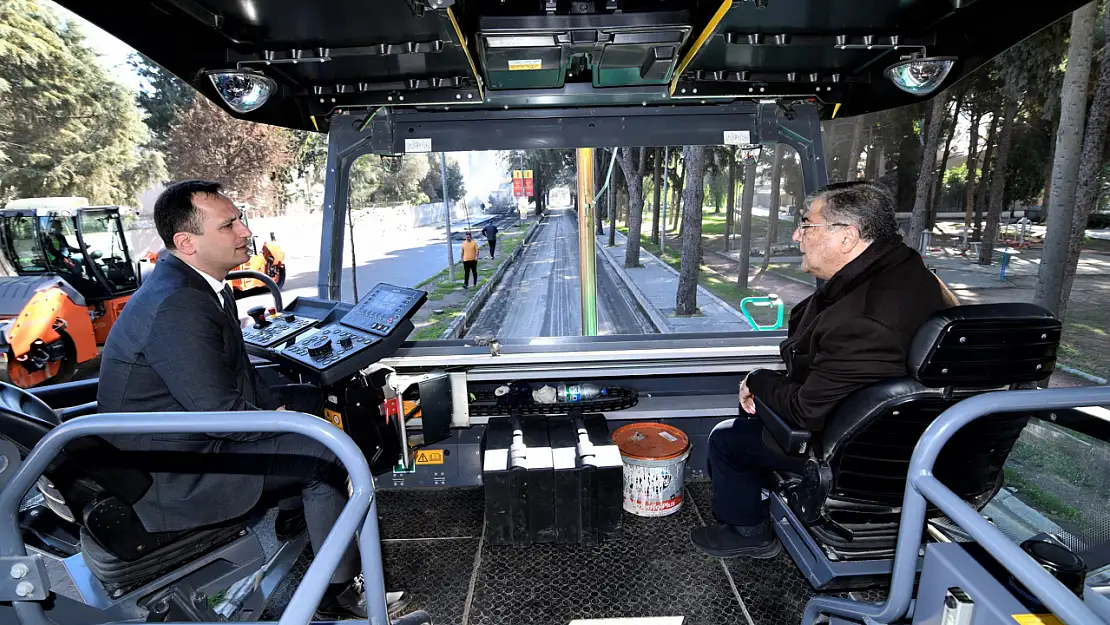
<point>178,346</point>
<point>853,331</point>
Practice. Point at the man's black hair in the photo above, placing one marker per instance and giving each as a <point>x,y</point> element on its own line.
<point>175,212</point>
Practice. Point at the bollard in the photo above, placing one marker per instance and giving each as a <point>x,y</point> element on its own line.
<point>1005,262</point>
<point>770,300</point>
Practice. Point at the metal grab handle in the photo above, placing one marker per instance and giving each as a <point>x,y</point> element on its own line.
<point>922,486</point>
<point>771,300</point>
<point>361,506</point>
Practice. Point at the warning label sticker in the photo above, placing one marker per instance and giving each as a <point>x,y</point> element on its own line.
<point>429,456</point>
<point>1037,619</point>
<point>520,64</point>
<point>335,418</point>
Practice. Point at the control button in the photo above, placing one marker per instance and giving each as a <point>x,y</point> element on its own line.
<point>346,341</point>
<point>290,317</point>
<point>318,346</point>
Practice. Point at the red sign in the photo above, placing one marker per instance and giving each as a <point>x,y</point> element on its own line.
<point>518,184</point>
<point>528,188</point>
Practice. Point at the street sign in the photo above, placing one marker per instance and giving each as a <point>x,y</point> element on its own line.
<point>528,188</point>
<point>518,183</point>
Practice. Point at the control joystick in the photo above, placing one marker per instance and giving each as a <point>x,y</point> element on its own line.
<point>258,313</point>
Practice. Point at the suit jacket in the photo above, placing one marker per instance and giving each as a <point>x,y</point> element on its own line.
<point>852,332</point>
<point>175,349</point>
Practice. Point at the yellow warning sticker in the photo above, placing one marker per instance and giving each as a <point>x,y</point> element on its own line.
<point>520,64</point>
<point>1037,619</point>
<point>335,418</point>
<point>429,456</point>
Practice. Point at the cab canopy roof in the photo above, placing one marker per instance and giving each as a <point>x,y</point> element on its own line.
<point>360,55</point>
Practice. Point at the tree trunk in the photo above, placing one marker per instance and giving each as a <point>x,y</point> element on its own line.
<point>1065,165</point>
<point>633,166</point>
<point>937,193</point>
<point>972,165</point>
<point>612,204</point>
<point>731,198</point>
<point>746,202</point>
<point>686,298</point>
<point>985,179</point>
<point>773,213</point>
<point>920,216</point>
<point>599,179</point>
<point>857,145</point>
<point>1088,190</point>
<point>998,180</point>
<point>657,180</point>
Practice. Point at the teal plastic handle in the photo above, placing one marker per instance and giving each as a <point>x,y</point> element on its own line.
<point>768,300</point>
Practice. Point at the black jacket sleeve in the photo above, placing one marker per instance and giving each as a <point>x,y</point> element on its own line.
<point>848,356</point>
<point>186,349</point>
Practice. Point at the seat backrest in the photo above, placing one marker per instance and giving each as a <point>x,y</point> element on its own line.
<point>959,352</point>
<point>86,465</point>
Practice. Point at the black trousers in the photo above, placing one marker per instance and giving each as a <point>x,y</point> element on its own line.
<point>304,473</point>
<point>492,246</point>
<point>741,466</point>
<point>470,267</point>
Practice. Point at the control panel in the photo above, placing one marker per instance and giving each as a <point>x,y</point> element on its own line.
<point>346,339</point>
<point>383,309</point>
<point>276,329</point>
<point>326,346</point>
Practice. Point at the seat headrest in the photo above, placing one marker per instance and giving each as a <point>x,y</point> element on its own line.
<point>985,345</point>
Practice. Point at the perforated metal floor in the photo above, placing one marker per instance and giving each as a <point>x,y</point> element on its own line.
<point>433,549</point>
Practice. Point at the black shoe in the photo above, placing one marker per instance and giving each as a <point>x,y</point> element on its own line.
<point>729,541</point>
<point>289,524</point>
<point>351,603</point>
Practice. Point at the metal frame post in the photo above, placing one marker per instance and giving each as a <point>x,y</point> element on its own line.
<point>922,487</point>
<point>303,604</point>
<point>587,241</point>
<point>447,218</point>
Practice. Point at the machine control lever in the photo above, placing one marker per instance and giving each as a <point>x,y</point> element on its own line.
<point>258,313</point>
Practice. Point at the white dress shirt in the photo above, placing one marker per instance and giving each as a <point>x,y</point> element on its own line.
<point>217,286</point>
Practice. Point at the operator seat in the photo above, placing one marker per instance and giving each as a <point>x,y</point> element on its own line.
<point>839,520</point>
<point>93,485</point>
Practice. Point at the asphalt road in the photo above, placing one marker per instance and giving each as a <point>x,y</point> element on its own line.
<point>540,297</point>
<point>402,257</point>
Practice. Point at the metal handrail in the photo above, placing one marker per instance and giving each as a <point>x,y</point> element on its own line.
<point>923,487</point>
<point>361,507</point>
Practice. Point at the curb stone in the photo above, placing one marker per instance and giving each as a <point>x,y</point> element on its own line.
<point>463,321</point>
<point>651,312</point>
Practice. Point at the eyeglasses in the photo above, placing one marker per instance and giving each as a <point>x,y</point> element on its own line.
<point>803,226</point>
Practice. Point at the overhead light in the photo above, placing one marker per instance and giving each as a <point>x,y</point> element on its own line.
<point>243,90</point>
<point>920,75</point>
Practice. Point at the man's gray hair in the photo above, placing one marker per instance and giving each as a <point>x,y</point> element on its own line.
<point>867,205</point>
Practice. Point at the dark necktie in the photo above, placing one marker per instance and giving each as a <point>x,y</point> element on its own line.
<point>226,299</point>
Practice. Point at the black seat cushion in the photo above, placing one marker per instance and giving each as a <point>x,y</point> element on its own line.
<point>118,529</point>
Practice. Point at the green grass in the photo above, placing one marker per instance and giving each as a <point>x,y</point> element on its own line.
<point>1052,459</point>
<point>1085,342</point>
<point>793,270</point>
<point>1040,499</point>
<point>437,324</point>
<point>439,287</point>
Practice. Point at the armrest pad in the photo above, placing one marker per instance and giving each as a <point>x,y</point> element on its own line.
<point>794,442</point>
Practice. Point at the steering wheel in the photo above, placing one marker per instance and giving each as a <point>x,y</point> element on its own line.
<point>24,418</point>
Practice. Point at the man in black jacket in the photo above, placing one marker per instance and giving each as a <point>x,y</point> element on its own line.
<point>178,346</point>
<point>853,331</point>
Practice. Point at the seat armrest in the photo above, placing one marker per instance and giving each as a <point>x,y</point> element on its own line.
<point>794,442</point>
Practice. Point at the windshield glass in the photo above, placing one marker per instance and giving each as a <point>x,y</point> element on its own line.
<point>104,240</point>
<point>25,244</point>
